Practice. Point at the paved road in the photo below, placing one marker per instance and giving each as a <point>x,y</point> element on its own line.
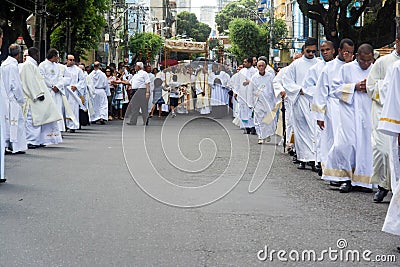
<point>80,203</point>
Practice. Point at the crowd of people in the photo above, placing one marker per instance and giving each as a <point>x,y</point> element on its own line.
<point>341,117</point>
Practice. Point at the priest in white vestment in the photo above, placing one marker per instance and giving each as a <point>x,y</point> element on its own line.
<point>234,86</point>
<point>15,135</point>
<point>40,110</point>
<point>263,102</point>
<point>102,90</point>
<point>2,127</point>
<point>382,148</point>
<point>203,91</point>
<point>53,77</point>
<point>302,120</point>
<point>310,89</point>
<point>2,120</point>
<point>244,96</point>
<point>389,123</point>
<point>219,93</point>
<point>325,105</point>
<point>350,158</point>
<point>75,86</point>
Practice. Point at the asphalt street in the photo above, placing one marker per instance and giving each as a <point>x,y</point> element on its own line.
<point>176,193</point>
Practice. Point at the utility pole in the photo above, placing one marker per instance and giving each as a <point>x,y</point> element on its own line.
<point>271,27</point>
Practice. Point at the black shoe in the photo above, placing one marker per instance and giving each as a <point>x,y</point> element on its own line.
<point>248,130</point>
<point>381,194</point>
<point>3,180</point>
<point>72,130</point>
<point>102,122</point>
<point>302,166</point>
<point>345,187</point>
<point>19,153</point>
<point>294,160</point>
<point>317,169</point>
<point>253,131</point>
<point>30,146</point>
<point>335,184</point>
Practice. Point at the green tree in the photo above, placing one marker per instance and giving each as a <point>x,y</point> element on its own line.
<point>187,24</point>
<point>145,46</point>
<point>232,11</point>
<point>256,41</point>
<point>340,20</point>
<point>253,43</point>
<point>87,22</point>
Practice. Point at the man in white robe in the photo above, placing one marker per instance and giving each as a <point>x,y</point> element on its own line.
<point>75,86</point>
<point>15,126</point>
<point>219,94</point>
<point>89,94</point>
<point>244,96</point>
<point>389,123</point>
<point>234,86</point>
<point>102,90</point>
<point>2,129</point>
<point>350,158</point>
<point>40,110</point>
<point>2,120</point>
<point>325,105</point>
<point>278,86</point>
<point>381,143</point>
<point>302,119</point>
<point>203,91</point>
<point>53,77</point>
<point>219,81</point>
<point>310,89</point>
<point>263,102</point>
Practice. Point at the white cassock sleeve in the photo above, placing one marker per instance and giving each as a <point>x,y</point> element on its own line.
<point>375,81</point>
<point>321,95</point>
<point>310,82</point>
<point>289,82</point>
<point>277,82</point>
<point>389,122</point>
<point>343,91</point>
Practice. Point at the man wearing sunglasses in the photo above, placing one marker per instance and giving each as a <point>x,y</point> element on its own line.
<point>302,122</point>
<point>350,159</point>
<point>309,85</point>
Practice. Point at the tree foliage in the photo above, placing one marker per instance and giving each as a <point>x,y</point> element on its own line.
<point>145,46</point>
<point>87,22</point>
<point>232,11</point>
<point>253,43</point>
<point>340,20</point>
<point>256,40</point>
<point>188,24</point>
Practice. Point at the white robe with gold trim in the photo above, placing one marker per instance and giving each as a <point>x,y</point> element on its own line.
<point>381,143</point>
<point>389,123</point>
<point>325,106</point>
<point>350,158</point>
<point>41,116</point>
<point>302,120</point>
